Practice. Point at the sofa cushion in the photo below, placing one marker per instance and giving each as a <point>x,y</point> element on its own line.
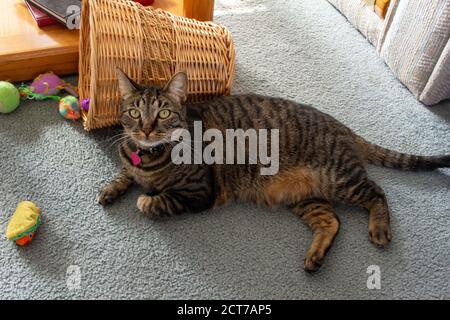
<point>361,14</point>
<point>438,85</point>
<point>414,47</point>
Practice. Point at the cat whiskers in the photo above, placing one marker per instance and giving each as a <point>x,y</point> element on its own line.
<point>120,138</point>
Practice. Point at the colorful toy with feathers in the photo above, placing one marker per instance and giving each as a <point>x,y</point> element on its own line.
<point>46,86</point>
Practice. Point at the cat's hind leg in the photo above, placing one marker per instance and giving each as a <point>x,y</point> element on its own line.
<point>319,216</point>
<point>111,191</point>
<point>370,196</point>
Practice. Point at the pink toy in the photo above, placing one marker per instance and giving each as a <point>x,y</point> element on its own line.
<point>50,84</point>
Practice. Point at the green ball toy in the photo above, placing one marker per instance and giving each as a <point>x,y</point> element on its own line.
<point>9,97</point>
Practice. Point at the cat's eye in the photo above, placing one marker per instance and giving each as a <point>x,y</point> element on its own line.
<point>134,113</point>
<point>164,114</point>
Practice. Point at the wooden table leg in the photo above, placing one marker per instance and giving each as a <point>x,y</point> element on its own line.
<point>202,10</point>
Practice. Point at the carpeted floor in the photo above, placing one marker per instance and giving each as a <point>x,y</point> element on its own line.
<point>303,50</point>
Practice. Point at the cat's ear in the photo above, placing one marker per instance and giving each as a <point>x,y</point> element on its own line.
<point>126,86</point>
<point>177,87</point>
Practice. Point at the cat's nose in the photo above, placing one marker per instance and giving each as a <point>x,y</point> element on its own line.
<point>147,131</point>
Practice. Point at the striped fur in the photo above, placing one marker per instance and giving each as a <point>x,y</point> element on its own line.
<point>321,161</point>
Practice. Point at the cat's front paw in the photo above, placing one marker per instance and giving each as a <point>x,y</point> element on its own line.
<point>144,204</point>
<point>107,195</point>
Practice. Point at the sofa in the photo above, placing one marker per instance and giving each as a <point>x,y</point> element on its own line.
<point>413,40</point>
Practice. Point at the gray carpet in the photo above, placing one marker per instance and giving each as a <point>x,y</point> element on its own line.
<point>304,50</point>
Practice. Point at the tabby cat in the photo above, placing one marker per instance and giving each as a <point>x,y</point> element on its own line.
<point>321,161</point>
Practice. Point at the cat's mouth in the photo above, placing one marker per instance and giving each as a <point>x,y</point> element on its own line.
<point>153,142</point>
<point>152,147</point>
<point>148,144</point>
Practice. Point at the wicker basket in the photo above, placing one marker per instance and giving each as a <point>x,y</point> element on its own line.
<point>150,46</point>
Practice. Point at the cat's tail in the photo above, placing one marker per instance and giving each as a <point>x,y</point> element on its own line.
<point>380,156</point>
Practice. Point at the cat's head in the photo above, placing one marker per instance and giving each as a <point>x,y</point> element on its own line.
<point>150,114</point>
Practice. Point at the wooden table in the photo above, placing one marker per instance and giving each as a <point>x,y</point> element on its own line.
<point>27,50</point>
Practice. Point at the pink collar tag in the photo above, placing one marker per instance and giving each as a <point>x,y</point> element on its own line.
<point>135,159</point>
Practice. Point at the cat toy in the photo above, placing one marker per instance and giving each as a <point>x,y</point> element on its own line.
<point>26,92</point>
<point>85,104</point>
<point>9,97</point>
<point>50,84</point>
<point>24,223</point>
<point>69,108</point>
<point>47,86</point>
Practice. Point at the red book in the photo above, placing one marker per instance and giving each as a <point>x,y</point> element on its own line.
<point>47,12</point>
<point>40,17</point>
<point>145,2</point>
